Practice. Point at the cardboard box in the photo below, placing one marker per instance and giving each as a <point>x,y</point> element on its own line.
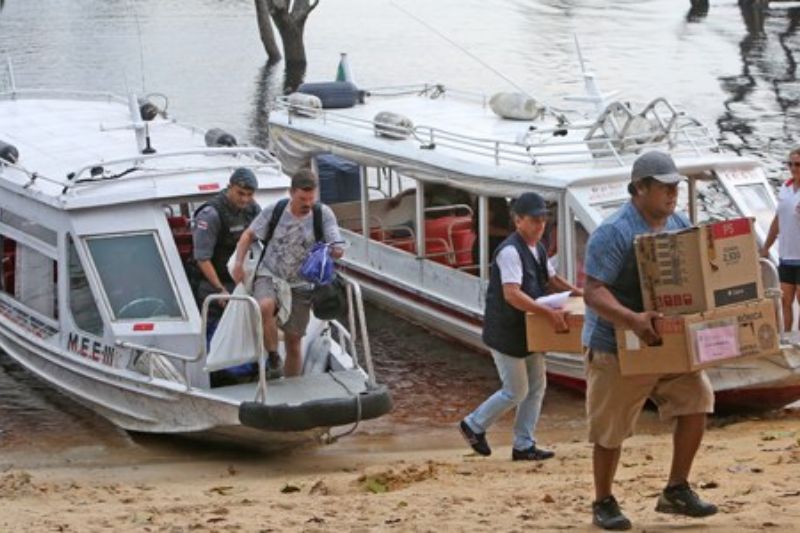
<point>702,340</point>
<point>700,268</point>
<point>542,338</point>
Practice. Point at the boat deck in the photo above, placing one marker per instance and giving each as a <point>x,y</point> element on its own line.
<point>295,391</point>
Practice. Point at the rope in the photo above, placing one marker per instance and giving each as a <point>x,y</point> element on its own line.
<point>333,438</point>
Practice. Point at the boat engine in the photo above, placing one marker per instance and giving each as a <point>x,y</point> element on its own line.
<point>219,137</point>
<point>9,152</point>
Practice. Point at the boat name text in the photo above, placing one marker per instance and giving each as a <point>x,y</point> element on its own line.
<point>90,349</point>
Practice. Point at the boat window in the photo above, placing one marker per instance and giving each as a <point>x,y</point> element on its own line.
<point>8,263</point>
<point>758,203</point>
<point>28,226</point>
<point>82,304</point>
<point>609,208</point>
<point>30,277</point>
<point>580,238</point>
<point>135,281</point>
<point>713,203</point>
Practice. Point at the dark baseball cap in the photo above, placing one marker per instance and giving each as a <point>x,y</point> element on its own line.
<point>244,177</point>
<point>656,165</point>
<point>531,204</point>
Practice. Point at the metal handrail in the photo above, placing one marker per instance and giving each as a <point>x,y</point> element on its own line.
<point>237,150</point>
<point>354,297</point>
<point>774,292</point>
<point>538,144</point>
<point>148,350</point>
<point>261,390</point>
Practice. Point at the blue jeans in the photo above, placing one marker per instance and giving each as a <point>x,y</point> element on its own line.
<point>524,382</point>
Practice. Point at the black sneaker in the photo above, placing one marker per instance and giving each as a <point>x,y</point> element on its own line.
<point>606,514</point>
<point>476,440</point>
<point>274,366</point>
<point>531,454</point>
<point>681,499</point>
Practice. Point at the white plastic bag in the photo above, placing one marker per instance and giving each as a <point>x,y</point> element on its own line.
<point>250,265</point>
<point>236,340</point>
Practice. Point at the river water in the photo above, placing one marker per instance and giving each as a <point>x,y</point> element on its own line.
<point>732,66</point>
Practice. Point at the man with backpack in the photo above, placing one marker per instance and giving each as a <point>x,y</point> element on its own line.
<point>289,228</point>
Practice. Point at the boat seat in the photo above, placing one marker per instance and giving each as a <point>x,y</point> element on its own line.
<point>462,241</point>
<point>437,249</point>
<point>182,233</point>
<point>442,227</point>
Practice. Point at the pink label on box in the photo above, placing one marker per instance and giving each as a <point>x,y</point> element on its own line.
<point>717,343</point>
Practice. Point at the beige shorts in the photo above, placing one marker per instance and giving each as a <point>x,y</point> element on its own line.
<point>263,287</point>
<point>614,401</point>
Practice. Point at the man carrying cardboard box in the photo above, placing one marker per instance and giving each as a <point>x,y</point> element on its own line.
<point>520,273</point>
<point>613,298</point>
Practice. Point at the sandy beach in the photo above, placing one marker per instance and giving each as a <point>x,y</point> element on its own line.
<point>749,467</point>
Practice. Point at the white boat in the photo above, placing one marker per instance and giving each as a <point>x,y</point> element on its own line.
<point>94,298</point>
<point>579,161</point>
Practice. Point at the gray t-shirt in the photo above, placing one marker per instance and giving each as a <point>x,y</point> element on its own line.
<point>292,240</point>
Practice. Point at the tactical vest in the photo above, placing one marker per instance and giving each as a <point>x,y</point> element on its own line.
<point>232,225</point>
<point>503,324</point>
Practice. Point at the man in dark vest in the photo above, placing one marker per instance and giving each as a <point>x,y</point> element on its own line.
<point>519,274</point>
<point>218,224</point>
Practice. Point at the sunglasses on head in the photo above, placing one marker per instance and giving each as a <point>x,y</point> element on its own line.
<point>793,164</point>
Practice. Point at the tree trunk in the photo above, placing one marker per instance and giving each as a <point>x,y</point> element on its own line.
<point>291,25</point>
<point>266,32</point>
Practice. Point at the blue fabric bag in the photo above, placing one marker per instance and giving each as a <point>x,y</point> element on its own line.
<point>318,266</point>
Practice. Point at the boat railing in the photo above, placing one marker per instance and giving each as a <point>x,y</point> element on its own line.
<point>347,336</point>
<point>152,353</point>
<point>11,92</point>
<point>772,289</point>
<point>617,135</point>
<point>357,324</point>
<point>262,158</point>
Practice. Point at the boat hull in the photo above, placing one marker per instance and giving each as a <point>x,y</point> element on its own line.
<point>138,403</point>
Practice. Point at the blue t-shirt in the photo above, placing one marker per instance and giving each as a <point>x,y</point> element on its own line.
<point>611,259</point>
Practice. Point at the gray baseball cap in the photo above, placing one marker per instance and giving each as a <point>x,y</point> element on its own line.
<point>244,177</point>
<point>656,165</point>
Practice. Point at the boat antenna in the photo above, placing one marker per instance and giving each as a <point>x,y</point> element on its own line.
<point>141,43</point>
<point>462,49</point>
<point>593,93</point>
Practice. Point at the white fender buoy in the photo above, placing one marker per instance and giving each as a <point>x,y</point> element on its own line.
<point>392,125</point>
<point>306,105</point>
<point>515,106</point>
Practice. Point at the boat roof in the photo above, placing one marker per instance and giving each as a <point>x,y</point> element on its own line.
<point>79,150</point>
<point>456,137</point>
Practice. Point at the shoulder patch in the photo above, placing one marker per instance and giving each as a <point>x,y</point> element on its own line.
<point>201,224</point>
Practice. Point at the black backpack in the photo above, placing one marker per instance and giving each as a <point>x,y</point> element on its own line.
<point>277,212</point>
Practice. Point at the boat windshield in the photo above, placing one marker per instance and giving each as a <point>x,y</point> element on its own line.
<point>135,281</point>
<point>758,201</point>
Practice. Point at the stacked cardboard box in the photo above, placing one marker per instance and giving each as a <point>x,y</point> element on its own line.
<point>706,280</point>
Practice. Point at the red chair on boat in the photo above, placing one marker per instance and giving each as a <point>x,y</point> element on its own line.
<point>179,225</point>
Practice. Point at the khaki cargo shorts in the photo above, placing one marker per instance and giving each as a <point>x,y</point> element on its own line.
<point>614,401</point>
<point>263,287</point>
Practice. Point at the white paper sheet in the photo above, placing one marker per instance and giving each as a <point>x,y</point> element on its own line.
<point>554,301</point>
